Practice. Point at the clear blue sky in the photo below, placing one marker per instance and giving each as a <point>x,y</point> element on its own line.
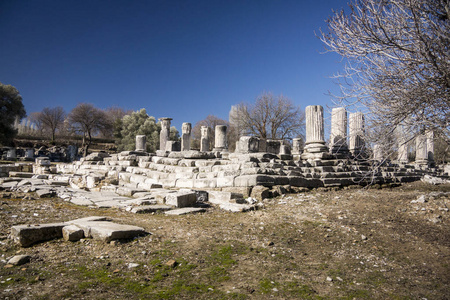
<point>178,59</point>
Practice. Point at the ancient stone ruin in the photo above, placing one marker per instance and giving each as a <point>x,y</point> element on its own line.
<point>178,180</point>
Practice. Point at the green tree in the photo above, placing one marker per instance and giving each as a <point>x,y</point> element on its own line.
<point>140,123</point>
<point>11,109</point>
<point>137,123</point>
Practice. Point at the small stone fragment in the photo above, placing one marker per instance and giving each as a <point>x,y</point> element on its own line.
<point>172,263</point>
<point>19,260</point>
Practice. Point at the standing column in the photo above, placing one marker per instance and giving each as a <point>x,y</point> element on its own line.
<point>186,137</point>
<point>315,143</point>
<point>338,138</point>
<point>402,152</point>
<point>430,146</point>
<point>421,149</point>
<point>220,143</point>
<point>141,143</point>
<point>204,141</point>
<point>356,126</point>
<point>377,153</point>
<point>165,132</point>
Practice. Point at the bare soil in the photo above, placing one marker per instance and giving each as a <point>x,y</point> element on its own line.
<point>346,244</point>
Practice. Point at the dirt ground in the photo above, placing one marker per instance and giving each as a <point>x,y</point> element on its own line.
<point>345,244</point>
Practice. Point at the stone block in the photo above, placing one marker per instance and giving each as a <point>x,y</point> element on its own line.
<point>253,180</point>
<point>227,181</point>
<point>220,197</point>
<point>72,233</point>
<point>244,191</point>
<point>27,235</point>
<point>184,183</point>
<point>181,199</point>
<point>260,192</point>
<point>205,183</point>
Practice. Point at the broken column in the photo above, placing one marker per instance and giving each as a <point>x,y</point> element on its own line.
<point>338,138</point>
<point>356,141</point>
<point>186,136</point>
<point>421,149</point>
<point>165,132</point>
<point>315,144</point>
<point>297,148</point>
<point>430,146</point>
<point>141,143</point>
<point>220,143</point>
<point>204,140</point>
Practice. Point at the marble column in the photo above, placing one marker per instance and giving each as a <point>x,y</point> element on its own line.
<point>141,143</point>
<point>421,149</point>
<point>165,132</point>
<point>356,134</point>
<point>430,145</point>
<point>338,137</point>
<point>220,142</point>
<point>315,143</point>
<point>204,140</point>
<point>186,137</point>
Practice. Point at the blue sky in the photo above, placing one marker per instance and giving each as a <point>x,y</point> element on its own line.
<point>178,59</point>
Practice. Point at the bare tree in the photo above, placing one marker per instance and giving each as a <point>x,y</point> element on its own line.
<point>113,118</point>
<point>269,118</point>
<point>51,119</point>
<point>397,61</point>
<point>88,120</point>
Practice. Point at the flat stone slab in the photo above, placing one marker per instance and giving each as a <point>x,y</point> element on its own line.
<point>185,211</point>
<point>81,201</point>
<point>27,235</point>
<point>108,231</point>
<point>145,209</point>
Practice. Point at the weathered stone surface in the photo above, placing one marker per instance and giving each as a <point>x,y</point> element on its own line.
<point>181,199</point>
<point>19,260</point>
<point>27,235</point>
<point>72,233</point>
<point>185,211</point>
